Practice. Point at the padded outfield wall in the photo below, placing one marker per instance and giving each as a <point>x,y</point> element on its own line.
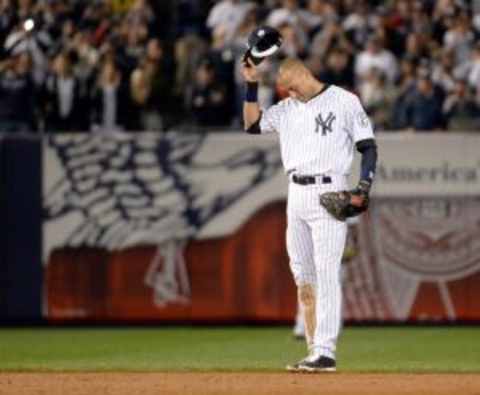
<point>178,227</point>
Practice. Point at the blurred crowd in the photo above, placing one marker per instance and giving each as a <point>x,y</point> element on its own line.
<point>80,65</point>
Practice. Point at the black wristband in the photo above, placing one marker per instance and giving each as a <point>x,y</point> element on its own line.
<point>251,92</point>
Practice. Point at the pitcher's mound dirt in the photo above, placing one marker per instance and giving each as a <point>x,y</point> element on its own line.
<point>237,383</point>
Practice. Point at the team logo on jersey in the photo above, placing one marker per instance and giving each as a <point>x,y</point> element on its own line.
<point>363,120</point>
<point>325,124</point>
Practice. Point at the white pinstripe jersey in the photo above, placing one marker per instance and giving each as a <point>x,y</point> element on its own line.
<point>318,136</point>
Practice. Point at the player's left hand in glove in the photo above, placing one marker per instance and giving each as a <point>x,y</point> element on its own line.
<point>345,204</point>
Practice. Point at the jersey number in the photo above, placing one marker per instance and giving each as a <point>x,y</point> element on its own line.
<point>325,124</point>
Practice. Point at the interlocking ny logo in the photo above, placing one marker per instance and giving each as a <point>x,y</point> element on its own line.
<point>325,124</point>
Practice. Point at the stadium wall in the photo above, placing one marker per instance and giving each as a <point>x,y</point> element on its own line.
<point>21,278</point>
<point>176,227</point>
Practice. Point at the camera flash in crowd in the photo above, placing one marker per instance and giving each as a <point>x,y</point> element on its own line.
<point>28,25</point>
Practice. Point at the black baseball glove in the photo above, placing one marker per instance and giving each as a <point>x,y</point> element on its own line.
<point>346,204</point>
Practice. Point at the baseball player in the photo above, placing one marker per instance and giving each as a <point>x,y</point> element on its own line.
<point>318,126</point>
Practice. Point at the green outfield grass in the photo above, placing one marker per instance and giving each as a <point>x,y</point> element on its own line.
<point>447,349</point>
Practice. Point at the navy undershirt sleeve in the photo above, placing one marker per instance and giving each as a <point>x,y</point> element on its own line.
<point>368,149</point>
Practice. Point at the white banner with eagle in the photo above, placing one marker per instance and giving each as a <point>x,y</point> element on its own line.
<point>115,191</point>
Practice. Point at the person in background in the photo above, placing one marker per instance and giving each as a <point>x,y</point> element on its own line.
<point>208,101</point>
<point>290,13</point>
<point>403,90</point>
<point>109,99</point>
<point>439,33</point>
<point>377,97</point>
<point>329,38</point>
<point>36,42</point>
<point>416,47</point>
<point>375,56</point>
<point>7,18</point>
<point>460,110</point>
<point>62,97</point>
<point>140,14</point>
<point>359,24</point>
<point>472,72</point>
<point>17,94</point>
<point>443,71</point>
<point>228,57</point>
<point>424,106</point>
<point>460,38</point>
<point>339,70</point>
<point>228,15</point>
<point>150,87</point>
<point>319,13</point>
<point>135,42</point>
<point>295,43</point>
<point>139,94</point>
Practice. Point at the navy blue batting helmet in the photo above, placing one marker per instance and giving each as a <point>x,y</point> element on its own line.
<point>263,42</point>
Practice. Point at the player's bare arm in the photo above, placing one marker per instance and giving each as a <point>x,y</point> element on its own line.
<point>262,42</point>
<point>251,109</point>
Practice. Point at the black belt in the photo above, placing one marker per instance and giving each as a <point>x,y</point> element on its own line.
<point>308,180</point>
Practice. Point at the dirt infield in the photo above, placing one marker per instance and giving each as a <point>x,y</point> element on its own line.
<point>237,383</point>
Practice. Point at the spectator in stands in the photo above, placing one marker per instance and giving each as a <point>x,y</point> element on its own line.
<point>443,71</point>
<point>140,91</point>
<point>472,67</point>
<point>339,70</point>
<point>404,89</point>
<point>424,105</point>
<point>290,13</point>
<point>36,42</point>
<point>420,20</point>
<point>136,39</point>
<point>330,37</point>
<point>62,97</point>
<point>140,14</point>
<point>208,98</point>
<point>399,20</point>
<point>334,36</point>
<point>460,109</point>
<point>228,16</point>
<point>294,40</point>
<point>160,103</point>
<point>190,18</point>
<point>25,9</point>
<point>16,94</point>
<point>375,56</point>
<point>319,13</point>
<point>228,57</point>
<point>460,37</point>
<point>86,60</point>
<point>416,47</point>
<point>150,89</point>
<point>7,19</point>
<point>65,41</point>
<point>359,24</point>
<point>378,98</point>
<point>110,105</point>
<point>189,50</point>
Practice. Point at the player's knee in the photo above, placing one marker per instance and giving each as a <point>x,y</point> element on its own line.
<point>306,295</point>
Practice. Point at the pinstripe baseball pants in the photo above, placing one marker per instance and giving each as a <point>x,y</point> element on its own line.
<point>315,244</point>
